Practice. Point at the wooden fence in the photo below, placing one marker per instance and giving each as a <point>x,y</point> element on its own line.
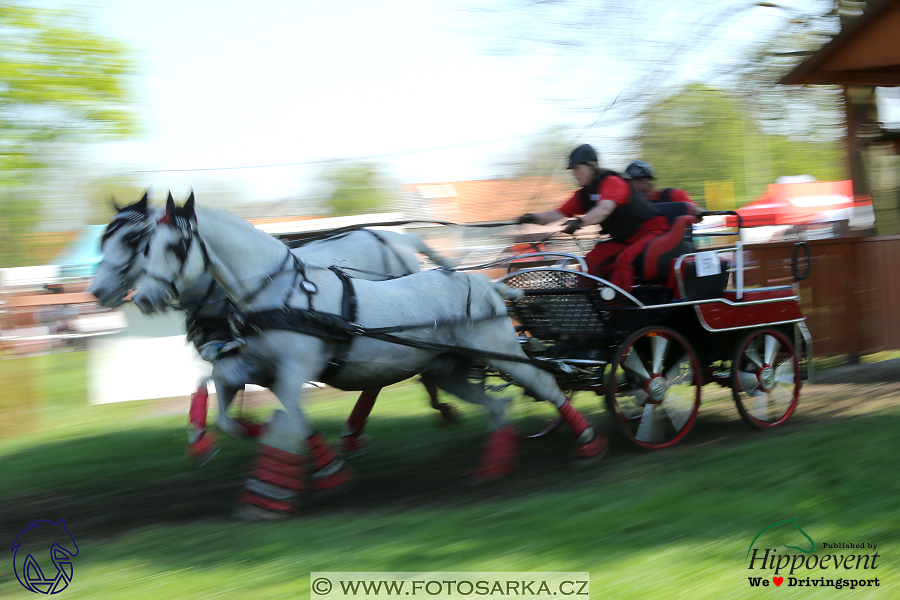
<point>852,297</point>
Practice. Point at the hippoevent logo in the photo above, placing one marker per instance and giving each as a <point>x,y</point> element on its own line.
<point>800,566</point>
<point>37,538</point>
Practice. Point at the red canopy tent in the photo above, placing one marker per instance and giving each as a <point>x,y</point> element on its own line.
<point>800,203</point>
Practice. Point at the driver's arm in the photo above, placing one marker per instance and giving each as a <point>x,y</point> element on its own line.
<point>548,216</point>
<point>599,213</point>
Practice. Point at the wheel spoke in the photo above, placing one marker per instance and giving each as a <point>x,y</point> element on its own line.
<point>634,364</point>
<point>752,353</point>
<point>632,406</point>
<point>784,373</point>
<point>680,371</point>
<point>759,405</point>
<point>660,344</point>
<point>678,408</point>
<point>780,399</point>
<point>748,381</point>
<point>648,430</point>
<point>772,348</point>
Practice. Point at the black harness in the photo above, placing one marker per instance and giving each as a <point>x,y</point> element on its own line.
<point>136,241</point>
<point>337,328</point>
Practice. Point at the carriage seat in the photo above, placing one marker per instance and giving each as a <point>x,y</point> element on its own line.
<point>656,259</point>
<point>688,286</point>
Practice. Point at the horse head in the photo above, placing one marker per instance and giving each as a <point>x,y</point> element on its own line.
<point>124,245</point>
<point>174,260</point>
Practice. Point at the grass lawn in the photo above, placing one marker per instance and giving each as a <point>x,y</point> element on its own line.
<point>668,524</point>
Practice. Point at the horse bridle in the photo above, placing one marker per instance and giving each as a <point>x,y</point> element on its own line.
<point>132,241</point>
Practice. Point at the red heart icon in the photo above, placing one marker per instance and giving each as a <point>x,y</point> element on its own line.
<point>778,580</point>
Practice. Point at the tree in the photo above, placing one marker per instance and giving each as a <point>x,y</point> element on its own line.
<point>543,157</point>
<point>354,188</point>
<point>703,134</point>
<point>59,81</point>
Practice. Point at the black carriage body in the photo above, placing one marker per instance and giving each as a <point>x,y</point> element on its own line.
<point>753,341</point>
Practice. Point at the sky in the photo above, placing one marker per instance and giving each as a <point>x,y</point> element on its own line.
<point>237,84</point>
<point>224,84</point>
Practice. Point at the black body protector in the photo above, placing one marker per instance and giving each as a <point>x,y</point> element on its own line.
<point>626,219</point>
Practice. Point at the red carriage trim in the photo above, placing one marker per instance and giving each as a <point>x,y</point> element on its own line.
<point>722,316</point>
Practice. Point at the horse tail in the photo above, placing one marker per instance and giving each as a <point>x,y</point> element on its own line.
<point>432,254</point>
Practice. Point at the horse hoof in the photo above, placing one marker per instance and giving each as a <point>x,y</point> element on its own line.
<point>449,416</point>
<point>251,506</point>
<point>249,512</point>
<point>354,445</point>
<point>482,476</point>
<point>590,452</point>
<point>499,457</point>
<point>325,485</point>
<point>203,450</point>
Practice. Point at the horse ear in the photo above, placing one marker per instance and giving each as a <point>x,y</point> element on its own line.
<point>188,207</point>
<point>142,203</point>
<point>170,204</point>
<point>61,522</point>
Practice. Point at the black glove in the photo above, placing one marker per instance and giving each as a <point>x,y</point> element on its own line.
<point>526,218</point>
<point>573,226</point>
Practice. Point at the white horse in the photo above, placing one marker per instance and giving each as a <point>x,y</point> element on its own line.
<point>295,314</point>
<point>368,254</point>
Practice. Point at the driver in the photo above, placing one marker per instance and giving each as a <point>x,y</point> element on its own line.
<point>642,175</point>
<point>624,213</point>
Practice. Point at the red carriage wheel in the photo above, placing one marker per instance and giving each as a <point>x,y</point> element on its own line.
<point>652,387</point>
<point>765,378</point>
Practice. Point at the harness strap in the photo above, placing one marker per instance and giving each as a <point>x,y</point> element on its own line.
<point>393,339</point>
<point>348,313</point>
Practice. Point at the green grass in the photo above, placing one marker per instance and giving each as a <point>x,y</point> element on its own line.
<point>668,524</point>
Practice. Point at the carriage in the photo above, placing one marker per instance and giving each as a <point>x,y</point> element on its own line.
<point>651,351</point>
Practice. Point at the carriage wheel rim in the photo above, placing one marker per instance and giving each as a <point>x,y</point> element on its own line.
<point>766,384</point>
<point>663,386</point>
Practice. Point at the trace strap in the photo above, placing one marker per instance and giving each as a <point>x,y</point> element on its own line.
<point>343,328</point>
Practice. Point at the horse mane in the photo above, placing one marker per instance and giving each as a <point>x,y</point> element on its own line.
<point>218,222</point>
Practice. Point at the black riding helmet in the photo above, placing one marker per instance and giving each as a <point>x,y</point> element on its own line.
<point>639,170</point>
<point>582,155</point>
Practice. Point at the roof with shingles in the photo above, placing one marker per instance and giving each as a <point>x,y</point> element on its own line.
<point>489,199</point>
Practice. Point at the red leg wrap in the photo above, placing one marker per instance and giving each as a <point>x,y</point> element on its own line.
<point>281,455</point>
<point>499,456</point>
<point>199,402</point>
<point>574,419</point>
<point>595,448</point>
<point>252,429</point>
<point>280,469</point>
<point>331,482</point>
<point>361,410</point>
<point>354,442</point>
<point>320,451</point>
<point>330,472</point>
<point>203,445</point>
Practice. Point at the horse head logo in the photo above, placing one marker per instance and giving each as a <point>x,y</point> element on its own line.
<point>793,521</point>
<point>36,538</point>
